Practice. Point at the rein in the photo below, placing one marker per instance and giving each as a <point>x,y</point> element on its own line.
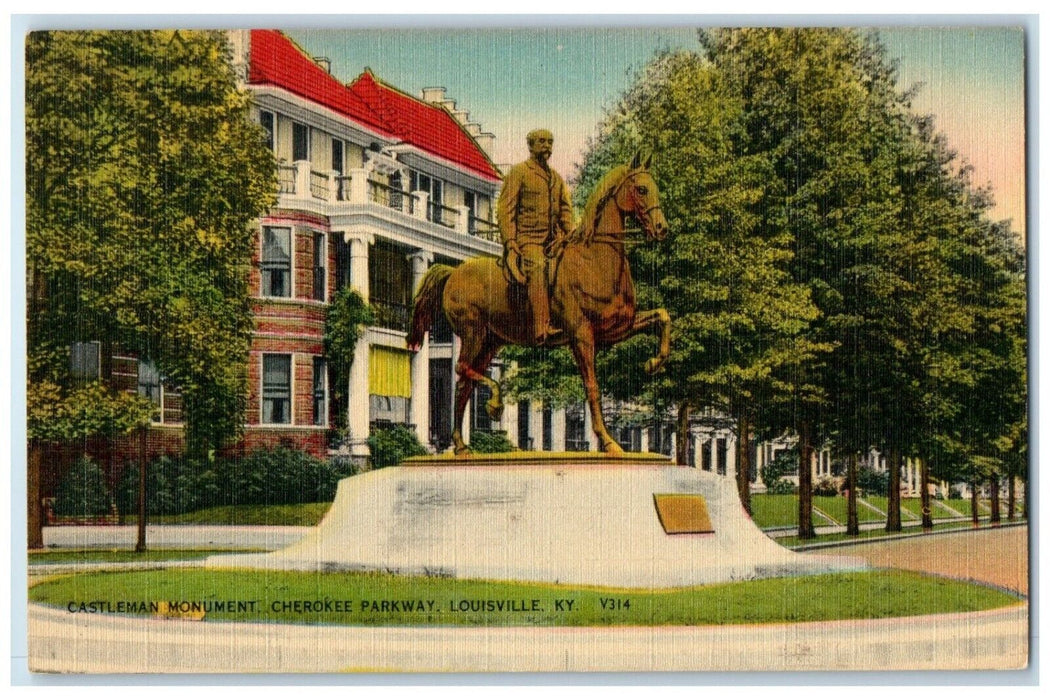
<point>616,237</point>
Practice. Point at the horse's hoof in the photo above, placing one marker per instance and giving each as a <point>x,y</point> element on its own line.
<point>613,449</point>
<point>495,410</point>
<point>463,451</point>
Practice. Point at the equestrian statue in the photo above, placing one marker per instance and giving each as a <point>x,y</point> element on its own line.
<point>493,302</point>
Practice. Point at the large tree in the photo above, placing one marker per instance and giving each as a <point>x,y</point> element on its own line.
<point>144,174</point>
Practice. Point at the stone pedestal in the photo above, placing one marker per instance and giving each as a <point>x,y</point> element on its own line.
<point>576,518</point>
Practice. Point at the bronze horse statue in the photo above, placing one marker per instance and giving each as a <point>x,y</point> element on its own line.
<point>592,298</point>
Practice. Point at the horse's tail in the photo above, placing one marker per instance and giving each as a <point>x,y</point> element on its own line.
<point>427,304</point>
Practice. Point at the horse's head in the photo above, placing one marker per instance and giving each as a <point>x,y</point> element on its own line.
<point>639,196</point>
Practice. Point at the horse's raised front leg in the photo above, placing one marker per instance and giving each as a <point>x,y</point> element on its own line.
<point>644,320</point>
<point>583,351</point>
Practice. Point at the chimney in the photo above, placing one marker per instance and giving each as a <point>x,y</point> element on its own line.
<point>487,141</point>
<point>325,63</point>
<point>473,128</point>
<point>461,115</point>
<point>433,94</point>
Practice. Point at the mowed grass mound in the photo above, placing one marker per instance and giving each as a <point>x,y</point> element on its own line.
<point>380,599</point>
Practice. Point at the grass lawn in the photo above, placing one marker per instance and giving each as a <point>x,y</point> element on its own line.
<point>769,510</point>
<point>880,502</point>
<point>300,514</point>
<point>380,599</point>
<point>77,556</point>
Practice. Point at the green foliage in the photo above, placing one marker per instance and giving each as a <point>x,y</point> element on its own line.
<point>144,176</point>
<point>266,477</point>
<point>274,476</point>
<point>544,375</point>
<point>54,413</point>
<point>347,314</point>
<point>174,484</point>
<point>82,493</point>
<point>870,481</point>
<point>485,442</point>
<point>390,446</point>
<point>773,472</point>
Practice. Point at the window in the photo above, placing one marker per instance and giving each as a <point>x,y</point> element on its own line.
<point>266,120</point>
<point>548,429</point>
<point>320,265</point>
<point>524,439</point>
<point>277,262</point>
<point>149,382</point>
<point>277,389</point>
<point>320,392</point>
<point>433,187</point>
<point>337,156</point>
<point>300,142</point>
<point>470,200</point>
<point>85,360</point>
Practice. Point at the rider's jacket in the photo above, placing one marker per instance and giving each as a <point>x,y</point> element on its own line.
<point>534,205</point>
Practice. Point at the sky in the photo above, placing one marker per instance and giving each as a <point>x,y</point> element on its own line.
<point>514,80</point>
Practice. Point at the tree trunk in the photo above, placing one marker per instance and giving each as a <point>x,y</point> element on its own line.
<point>927,505</point>
<point>743,461</point>
<point>682,441</point>
<point>34,508</point>
<point>893,503</point>
<point>993,483</point>
<point>973,504</point>
<point>852,520</point>
<point>1011,497</point>
<point>140,545</point>
<point>805,484</point>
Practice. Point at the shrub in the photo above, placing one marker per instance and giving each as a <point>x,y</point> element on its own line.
<point>772,472</point>
<point>781,487</point>
<point>390,446</point>
<point>872,482</point>
<point>486,442</point>
<point>82,493</point>
<point>174,484</point>
<point>826,487</point>
<point>276,476</point>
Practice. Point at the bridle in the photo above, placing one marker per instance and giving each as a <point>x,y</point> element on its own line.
<point>635,203</point>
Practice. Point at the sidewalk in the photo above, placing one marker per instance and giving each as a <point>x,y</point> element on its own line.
<point>175,536</point>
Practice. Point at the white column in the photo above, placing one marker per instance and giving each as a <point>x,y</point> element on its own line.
<point>419,404</point>
<point>536,425</point>
<point>588,429</point>
<point>422,198</point>
<point>645,440</point>
<point>510,422</point>
<point>333,186</point>
<point>358,186</point>
<point>558,430</point>
<point>730,454</point>
<point>302,179</point>
<point>357,418</point>
<point>462,219</point>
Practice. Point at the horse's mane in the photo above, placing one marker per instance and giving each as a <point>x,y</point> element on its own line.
<point>605,188</point>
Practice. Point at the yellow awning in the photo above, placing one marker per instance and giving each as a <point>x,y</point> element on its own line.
<point>389,372</point>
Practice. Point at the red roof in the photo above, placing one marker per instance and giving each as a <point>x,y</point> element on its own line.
<point>276,60</point>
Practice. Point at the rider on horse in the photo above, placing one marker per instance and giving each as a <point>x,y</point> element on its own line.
<point>535,214</point>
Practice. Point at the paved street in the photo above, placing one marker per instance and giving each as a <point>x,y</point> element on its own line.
<point>988,555</point>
